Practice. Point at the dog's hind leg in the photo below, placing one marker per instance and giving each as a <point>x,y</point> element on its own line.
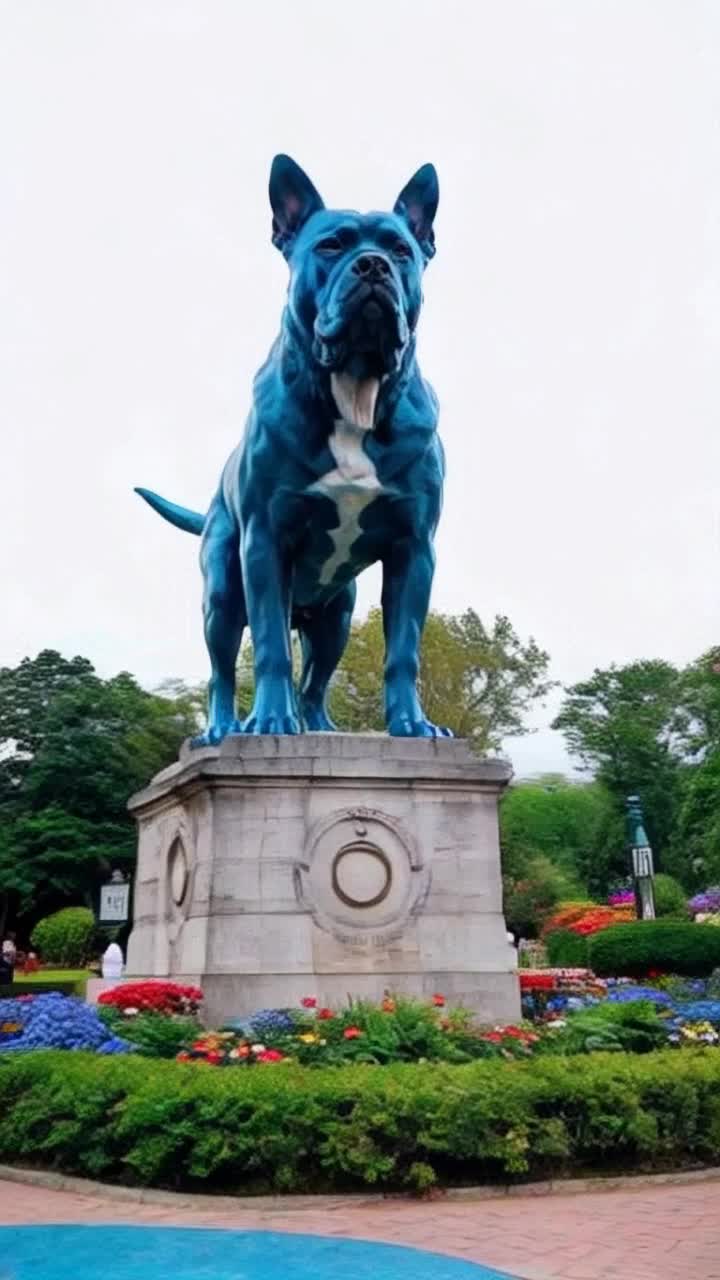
<point>224,616</point>
<point>323,632</point>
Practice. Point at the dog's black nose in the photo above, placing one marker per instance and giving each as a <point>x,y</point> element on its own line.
<point>371,266</point>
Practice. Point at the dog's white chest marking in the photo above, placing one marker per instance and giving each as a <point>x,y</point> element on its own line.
<point>353,485</point>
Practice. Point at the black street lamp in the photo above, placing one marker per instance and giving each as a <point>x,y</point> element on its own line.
<point>642,860</point>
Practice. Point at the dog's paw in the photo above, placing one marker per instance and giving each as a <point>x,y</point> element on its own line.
<point>316,720</point>
<point>271,724</point>
<point>403,726</point>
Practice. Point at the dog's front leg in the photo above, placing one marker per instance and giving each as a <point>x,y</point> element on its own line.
<point>407,579</point>
<point>266,577</point>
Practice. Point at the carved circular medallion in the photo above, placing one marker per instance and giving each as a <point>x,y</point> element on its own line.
<point>361,875</point>
<point>177,872</point>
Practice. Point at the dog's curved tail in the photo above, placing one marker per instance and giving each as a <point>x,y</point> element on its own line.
<point>181,517</point>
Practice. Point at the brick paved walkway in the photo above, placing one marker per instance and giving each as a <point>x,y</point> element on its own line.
<point>651,1233</point>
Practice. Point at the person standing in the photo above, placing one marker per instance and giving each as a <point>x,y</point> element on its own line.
<point>9,955</point>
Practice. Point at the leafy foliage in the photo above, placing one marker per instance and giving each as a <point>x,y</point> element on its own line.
<point>288,1128</point>
<point>626,724</point>
<point>631,1028</point>
<point>479,682</point>
<point>528,901</point>
<point>73,748</point>
<point>566,949</point>
<point>155,1035</point>
<point>670,899</point>
<point>65,938</point>
<point>666,946</point>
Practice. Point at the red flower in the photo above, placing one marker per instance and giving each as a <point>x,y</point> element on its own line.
<point>493,1036</point>
<point>325,1014</point>
<point>438,1001</point>
<point>270,1055</point>
<point>308,1002</point>
<point>352,1033</point>
<point>213,1057</point>
<point>183,1057</point>
<point>530,981</point>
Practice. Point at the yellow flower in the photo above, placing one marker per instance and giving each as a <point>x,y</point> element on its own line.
<point>309,1038</point>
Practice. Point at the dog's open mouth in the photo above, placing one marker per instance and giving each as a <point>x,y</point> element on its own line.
<point>365,338</point>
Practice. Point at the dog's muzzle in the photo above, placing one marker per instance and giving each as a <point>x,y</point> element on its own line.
<point>362,329</point>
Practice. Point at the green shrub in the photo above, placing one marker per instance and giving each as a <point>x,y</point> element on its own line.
<point>528,901</point>
<point>668,946</point>
<point>567,950</point>
<point>65,938</point>
<point>21,988</point>
<point>289,1128</point>
<point>634,1027</point>
<point>670,897</point>
<point>157,1035</point>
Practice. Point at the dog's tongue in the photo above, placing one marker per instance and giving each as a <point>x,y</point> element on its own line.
<point>355,398</point>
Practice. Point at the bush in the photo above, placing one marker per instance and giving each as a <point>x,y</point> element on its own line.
<point>21,988</point>
<point>153,1034</point>
<point>631,1027</point>
<point>663,946</point>
<point>670,897</point>
<point>65,938</point>
<point>567,950</point>
<point>529,901</point>
<point>286,1128</point>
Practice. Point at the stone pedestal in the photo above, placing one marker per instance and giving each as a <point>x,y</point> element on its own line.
<point>272,868</point>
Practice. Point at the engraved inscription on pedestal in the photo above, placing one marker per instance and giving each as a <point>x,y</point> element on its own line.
<point>361,876</point>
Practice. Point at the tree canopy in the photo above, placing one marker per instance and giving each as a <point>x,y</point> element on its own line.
<point>73,748</point>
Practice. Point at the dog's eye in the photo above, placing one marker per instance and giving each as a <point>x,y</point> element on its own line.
<point>330,245</point>
<point>402,250</point>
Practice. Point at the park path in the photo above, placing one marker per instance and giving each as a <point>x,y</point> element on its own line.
<point>652,1232</point>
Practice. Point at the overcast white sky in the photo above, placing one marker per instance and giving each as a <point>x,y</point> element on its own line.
<point>572,323</point>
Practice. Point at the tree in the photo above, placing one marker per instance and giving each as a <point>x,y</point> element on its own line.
<point>575,825</point>
<point>630,726</point>
<point>74,748</point>
<point>480,683</point>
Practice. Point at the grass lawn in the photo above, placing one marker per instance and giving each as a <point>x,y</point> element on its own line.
<point>79,976</point>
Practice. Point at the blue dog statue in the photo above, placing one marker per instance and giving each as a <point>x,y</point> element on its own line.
<point>340,466</point>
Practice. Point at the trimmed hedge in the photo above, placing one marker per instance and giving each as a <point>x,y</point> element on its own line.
<point>40,988</point>
<point>65,938</point>
<point>285,1128</point>
<point>669,946</point>
<point>567,950</point>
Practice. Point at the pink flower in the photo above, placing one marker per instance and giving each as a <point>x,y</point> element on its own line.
<point>352,1033</point>
<point>308,1002</point>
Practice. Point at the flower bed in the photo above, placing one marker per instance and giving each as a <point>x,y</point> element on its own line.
<point>402,1126</point>
<point>396,1030</point>
<point>153,997</point>
<point>54,1021</point>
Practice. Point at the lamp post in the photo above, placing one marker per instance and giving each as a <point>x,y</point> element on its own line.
<point>642,859</point>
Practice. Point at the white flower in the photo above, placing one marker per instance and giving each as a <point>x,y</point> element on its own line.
<point>257,1048</point>
<point>131,1013</point>
<point>556,1022</point>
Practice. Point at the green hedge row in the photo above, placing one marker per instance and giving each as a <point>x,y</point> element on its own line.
<point>567,950</point>
<point>632,950</point>
<point>286,1128</point>
<point>40,988</point>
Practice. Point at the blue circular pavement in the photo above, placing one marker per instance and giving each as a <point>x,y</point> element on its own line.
<point>190,1253</point>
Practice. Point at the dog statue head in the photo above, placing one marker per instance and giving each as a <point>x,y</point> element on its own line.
<point>355,288</point>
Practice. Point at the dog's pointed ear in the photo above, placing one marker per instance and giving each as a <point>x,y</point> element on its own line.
<point>417,205</point>
<point>293,199</point>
